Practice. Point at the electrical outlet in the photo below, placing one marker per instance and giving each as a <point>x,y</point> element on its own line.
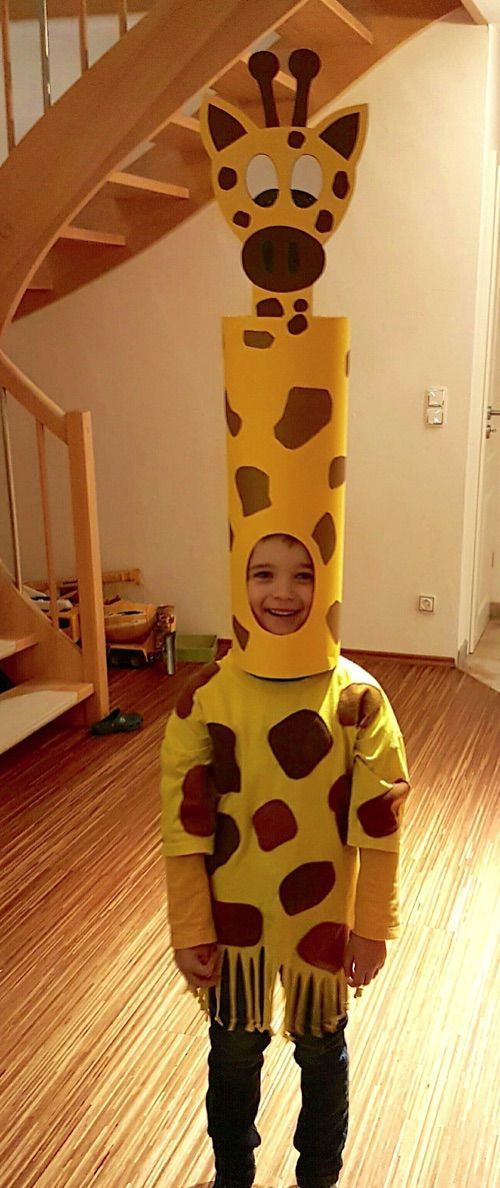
<point>427,603</point>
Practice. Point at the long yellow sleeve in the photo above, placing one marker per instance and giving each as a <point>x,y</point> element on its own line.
<point>377,895</point>
<point>189,905</point>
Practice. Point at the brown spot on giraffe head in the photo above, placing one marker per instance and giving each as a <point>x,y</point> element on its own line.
<point>185,702</point>
<point>382,815</point>
<point>238,924</point>
<point>324,222</point>
<point>326,537</point>
<point>241,218</point>
<point>258,340</point>
<point>253,489</point>
<point>296,139</point>
<point>299,742</point>
<point>324,946</point>
<point>233,419</point>
<point>333,621</point>
<point>340,184</point>
<point>306,412</point>
<point>227,178</point>
<point>241,633</point>
<point>306,886</point>
<point>336,473</point>
<point>226,842</point>
<point>274,824</point>
<point>359,705</point>
<point>226,773</point>
<point>282,259</point>
<point>197,811</point>
<point>339,799</point>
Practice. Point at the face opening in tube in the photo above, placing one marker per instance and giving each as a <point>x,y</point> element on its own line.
<point>280,583</point>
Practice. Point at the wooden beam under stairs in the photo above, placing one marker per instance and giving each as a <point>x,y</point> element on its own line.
<point>31,705</point>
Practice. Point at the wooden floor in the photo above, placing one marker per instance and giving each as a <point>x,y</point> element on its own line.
<point>102,1053</point>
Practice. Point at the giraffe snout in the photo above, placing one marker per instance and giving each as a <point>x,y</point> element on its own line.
<point>282,259</point>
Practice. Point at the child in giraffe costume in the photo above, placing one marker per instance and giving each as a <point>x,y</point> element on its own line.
<point>284,773</point>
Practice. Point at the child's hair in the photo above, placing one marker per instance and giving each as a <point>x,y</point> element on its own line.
<point>285,536</point>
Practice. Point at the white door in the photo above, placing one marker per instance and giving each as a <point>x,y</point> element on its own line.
<point>489,466</point>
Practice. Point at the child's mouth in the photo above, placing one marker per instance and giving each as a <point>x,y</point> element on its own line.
<point>282,614</point>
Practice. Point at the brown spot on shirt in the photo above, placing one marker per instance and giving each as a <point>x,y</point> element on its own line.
<point>326,537</point>
<point>299,742</point>
<point>253,489</point>
<point>274,824</point>
<point>324,946</point>
<point>297,324</point>
<point>238,924</point>
<point>306,886</point>
<point>197,811</point>
<point>339,799</point>
<point>359,705</point>
<point>306,412</point>
<point>227,775</point>
<point>260,340</point>
<point>227,840</point>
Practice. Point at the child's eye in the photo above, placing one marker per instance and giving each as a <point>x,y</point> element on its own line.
<point>263,574</point>
<point>304,576</point>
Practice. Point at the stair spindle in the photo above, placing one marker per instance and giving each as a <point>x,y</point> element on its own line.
<point>7,76</point>
<point>47,527</point>
<point>9,470</point>
<point>83,33</point>
<point>122,17</point>
<point>44,52</point>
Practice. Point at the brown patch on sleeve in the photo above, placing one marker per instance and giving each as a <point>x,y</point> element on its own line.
<point>241,633</point>
<point>306,886</point>
<point>359,705</point>
<point>227,840</point>
<point>299,742</point>
<point>227,775</point>
<point>336,473</point>
<point>333,620</point>
<point>259,340</point>
<point>326,537</point>
<point>274,824</point>
<point>185,702</point>
<point>339,799</point>
<point>233,419</point>
<point>382,815</point>
<point>197,811</point>
<point>270,307</point>
<point>306,412</point>
<point>253,489</point>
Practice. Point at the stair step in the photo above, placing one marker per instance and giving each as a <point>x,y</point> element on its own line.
<point>31,705</point>
<point>10,644</point>
<point>89,235</point>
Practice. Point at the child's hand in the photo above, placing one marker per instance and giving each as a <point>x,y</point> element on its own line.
<point>363,959</point>
<point>200,965</point>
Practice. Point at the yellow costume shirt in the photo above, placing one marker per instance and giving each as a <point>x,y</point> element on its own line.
<point>279,784</point>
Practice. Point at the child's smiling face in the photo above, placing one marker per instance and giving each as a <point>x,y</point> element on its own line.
<point>280,584</point>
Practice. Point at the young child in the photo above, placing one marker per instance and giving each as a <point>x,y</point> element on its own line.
<point>281,808</point>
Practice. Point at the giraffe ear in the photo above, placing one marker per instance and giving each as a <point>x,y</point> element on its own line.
<point>346,132</point>
<point>221,124</point>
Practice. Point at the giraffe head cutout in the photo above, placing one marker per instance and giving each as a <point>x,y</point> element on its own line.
<point>283,190</point>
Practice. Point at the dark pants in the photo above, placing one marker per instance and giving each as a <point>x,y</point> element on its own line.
<point>235,1063</point>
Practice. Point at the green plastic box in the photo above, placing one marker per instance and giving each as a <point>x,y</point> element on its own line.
<point>195,647</point>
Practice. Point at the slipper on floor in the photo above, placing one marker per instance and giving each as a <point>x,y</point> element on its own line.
<point>117,722</point>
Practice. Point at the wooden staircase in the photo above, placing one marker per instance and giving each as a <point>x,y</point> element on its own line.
<point>123,165</point>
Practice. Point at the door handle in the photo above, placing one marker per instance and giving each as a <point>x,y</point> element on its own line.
<point>493,412</point>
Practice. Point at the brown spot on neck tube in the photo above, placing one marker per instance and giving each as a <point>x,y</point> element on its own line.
<point>270,307</point>
<point>306,412</point>
<point>233,419</point>
<point>326,537</point>
<point>336,473</point>
<point>260,340</point>
<point>253,489</point>
<point>297,324</point>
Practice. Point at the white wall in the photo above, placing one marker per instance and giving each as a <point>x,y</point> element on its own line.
<point>141,348</point>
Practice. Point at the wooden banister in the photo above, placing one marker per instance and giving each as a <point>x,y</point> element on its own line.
<point>47,525</point>
<point>88,559</point>
<point>7,75</point>
<point>32,398</point>
<point>83,35</point>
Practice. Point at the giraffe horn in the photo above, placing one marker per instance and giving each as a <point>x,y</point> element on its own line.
<point>264,66</point>
<point>304,65</point>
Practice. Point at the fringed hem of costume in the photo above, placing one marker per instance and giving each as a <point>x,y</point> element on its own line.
<point>315,999</point>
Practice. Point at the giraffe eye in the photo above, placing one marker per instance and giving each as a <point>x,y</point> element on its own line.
<point>307,181</point>
<point>262,180</point>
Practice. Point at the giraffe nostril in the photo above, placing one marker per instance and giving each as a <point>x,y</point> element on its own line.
<point>293,257</point>
<point>267,255</point>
